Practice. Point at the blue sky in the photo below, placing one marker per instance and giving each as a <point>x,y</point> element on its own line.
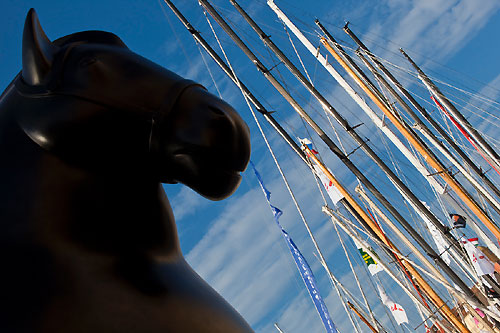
<point>234,244</point>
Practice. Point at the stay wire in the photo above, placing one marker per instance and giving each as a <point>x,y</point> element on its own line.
<point>355,276</point>
<point>179,41</point>
<point>209,71</point>
<point>320,189</point>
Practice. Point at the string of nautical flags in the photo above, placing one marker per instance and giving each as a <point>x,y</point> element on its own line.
<point>302,265</point>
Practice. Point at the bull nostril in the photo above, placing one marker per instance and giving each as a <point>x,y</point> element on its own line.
<point>216,110</point>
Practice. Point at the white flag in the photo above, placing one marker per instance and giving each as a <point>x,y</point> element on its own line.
<point>482,265</point>
<point>438,238</point>
<point>373,267</point>
<point>332,191</point>
<point>397,310</point>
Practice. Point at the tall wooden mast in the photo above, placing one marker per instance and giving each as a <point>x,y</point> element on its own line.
<point>408,154</point>
<point>363,319</point>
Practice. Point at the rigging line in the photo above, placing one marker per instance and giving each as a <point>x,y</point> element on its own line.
<point>432,108</point>
<point>209,71</point>
<point>477,95</point>
<point>179,41</point>
<point>471,108</point>
<point>291,128</point>
<point>399,172</point>
<point>373,254</point>
<point>248,38</point>
<point>470,149</point>
<point>471,134</point>
<point>339,101</point>
<point>351,296</point>
<point>347,227</point>
<point>406,258</point>
<point>483,85</point>
<point>279,32</point>
<point>474,95</point>
<point>299,97</point>
<point>342,300</point>
<point>410,72</point>
<point>370,312</point>
<point>307,129</point>
<point>429,60</point>
<point>296,52</point>
<point>231,13</point>
<point>331,280</point>
<point>467,134</point>
<point>467,105</point>
<point>235,26</point>
<point>328,116</point>
<point>484,115</point>
<point>404,270</point>
<point>397,166</point>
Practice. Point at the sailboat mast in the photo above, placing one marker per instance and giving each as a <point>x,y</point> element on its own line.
<point>363,319</point>
<point>227,70</point>
<point>278,328</point>
<point>380,124</point>
<point>415,235</point>
<point>486,195</point>
<point>420,146</point>
<point>416,142</point>
<point>483,145</point>
<point>368,250</point>
<point>411,157</point>
<point>436,299</point>
<point>421,209</point>
<point>405,240</point>
<point>468,162</point>
<point>399,234</point>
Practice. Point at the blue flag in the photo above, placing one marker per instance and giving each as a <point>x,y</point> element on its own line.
<point>302,265</point>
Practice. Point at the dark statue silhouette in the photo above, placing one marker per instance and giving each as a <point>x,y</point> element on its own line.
<point>88,132</point>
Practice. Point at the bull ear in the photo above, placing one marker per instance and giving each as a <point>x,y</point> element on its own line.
<point>38,51</point>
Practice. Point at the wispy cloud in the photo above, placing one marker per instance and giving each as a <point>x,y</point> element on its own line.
<point>439,28</point>
<point>434,28</point>
<point>187,202</point>
<point>244,257</point>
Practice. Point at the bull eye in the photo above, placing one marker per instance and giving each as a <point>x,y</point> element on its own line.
<point>87,61</point>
